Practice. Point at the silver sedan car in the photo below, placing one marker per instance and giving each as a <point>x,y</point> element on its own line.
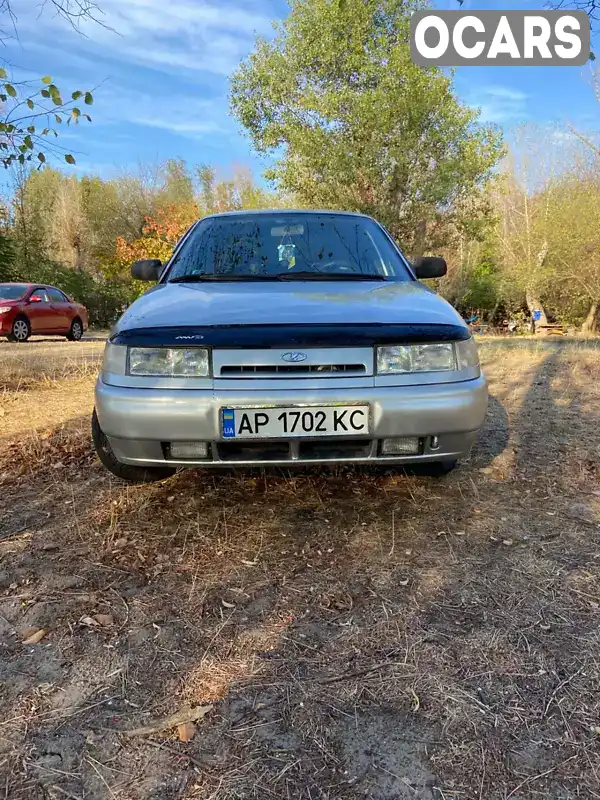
<point>287,338</point>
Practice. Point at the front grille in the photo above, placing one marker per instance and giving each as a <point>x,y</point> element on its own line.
<point>344,448</point>
<point>315,363</point>
<point>253,451</point>
<point>303,450</point>
<point>291,369</point>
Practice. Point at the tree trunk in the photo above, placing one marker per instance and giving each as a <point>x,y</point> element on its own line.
<point>536,309</point>
<point>420,240</point>
<point>590,325</point>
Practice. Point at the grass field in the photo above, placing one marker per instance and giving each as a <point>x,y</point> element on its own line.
<point>358,633</point>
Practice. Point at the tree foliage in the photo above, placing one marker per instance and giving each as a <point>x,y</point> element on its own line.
<point>354,123</point>
<point>32,111</point>
<point>541,250</point>
<point>208,195</point>
<point>83,233</point>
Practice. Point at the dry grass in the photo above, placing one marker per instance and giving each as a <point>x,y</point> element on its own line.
<point>46,362</point>
<point>364,634</point>
<point>45,399</point>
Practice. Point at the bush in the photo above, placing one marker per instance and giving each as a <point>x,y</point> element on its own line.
<point>7,259</point>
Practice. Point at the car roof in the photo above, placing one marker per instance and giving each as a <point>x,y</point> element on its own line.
<point>30,285</point>
<point>285,211</point>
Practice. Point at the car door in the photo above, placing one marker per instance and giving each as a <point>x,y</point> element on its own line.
<point>40,312</point>
<point>62,310</point>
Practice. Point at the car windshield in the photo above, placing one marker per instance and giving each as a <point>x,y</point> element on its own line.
<point>12,291</point>
<point>277,246</point>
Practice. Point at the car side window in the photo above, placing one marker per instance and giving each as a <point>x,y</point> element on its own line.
<point>42,294</point>
<point>56,296</point>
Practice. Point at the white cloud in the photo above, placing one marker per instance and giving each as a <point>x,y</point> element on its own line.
<point>192,35</point>
<point>190,46</point>
<point>185,115</point>
<point>499,104</point>
<point>180,17</point>
<point>190,115</point>
<point>505,93</point>
<point>104,168</point>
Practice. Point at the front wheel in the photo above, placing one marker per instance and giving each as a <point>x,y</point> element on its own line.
<point>126,472</point>
<point>20,330</point>
<point>76,331</point>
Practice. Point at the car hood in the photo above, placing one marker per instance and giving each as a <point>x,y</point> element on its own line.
<point>287,303</point>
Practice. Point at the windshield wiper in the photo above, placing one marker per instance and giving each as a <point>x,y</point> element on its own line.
<point>307,275</point>
<point>208,277</point>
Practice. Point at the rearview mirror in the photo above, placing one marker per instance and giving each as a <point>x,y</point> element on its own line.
<point>35,298</point>
<point>429,267</point>
<point>147,269</point>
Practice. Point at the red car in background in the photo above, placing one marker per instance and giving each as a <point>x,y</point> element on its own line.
<point>31,309</point>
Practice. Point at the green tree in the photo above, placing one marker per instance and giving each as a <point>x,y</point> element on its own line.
<point>206,179</point>
<point>473,284</point>
<point>354,123</point>
<point>235,192</point>
<point>240,191</point>
<point>82,233</point>
<point>7,270</point>
<point>7,251</point>
<point>32,202</point>
<point>101,206</point>
<point>178,184</point>
<point>526,215</point>
<point>482,293</point>
<point>546,205</point>
<point>574,249</point>
<point>137,193</point>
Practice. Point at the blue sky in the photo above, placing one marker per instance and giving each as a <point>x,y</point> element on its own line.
<point>161,70</point>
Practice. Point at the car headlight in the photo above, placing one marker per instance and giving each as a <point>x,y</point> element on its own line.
<point>5,309</point>
<point>439,357</point>
<point>467,356</point>
<point>176,362</point>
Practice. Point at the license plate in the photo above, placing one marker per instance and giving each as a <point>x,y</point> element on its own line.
<point>287,423</point>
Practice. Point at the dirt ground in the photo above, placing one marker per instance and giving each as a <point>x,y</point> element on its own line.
<point>354,633</point>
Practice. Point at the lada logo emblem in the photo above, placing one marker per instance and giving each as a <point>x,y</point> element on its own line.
<point>294,358</point>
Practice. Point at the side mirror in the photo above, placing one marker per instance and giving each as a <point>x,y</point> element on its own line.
<point>147,269</point>
<point>429,267</point>
<point>35,298</point>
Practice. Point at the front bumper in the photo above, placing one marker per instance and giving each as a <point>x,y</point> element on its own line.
<point>140,423</point>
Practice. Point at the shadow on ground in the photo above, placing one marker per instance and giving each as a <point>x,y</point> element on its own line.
<point>360,633</point>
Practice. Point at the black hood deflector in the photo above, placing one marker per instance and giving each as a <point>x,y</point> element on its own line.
<point>279,336</point>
